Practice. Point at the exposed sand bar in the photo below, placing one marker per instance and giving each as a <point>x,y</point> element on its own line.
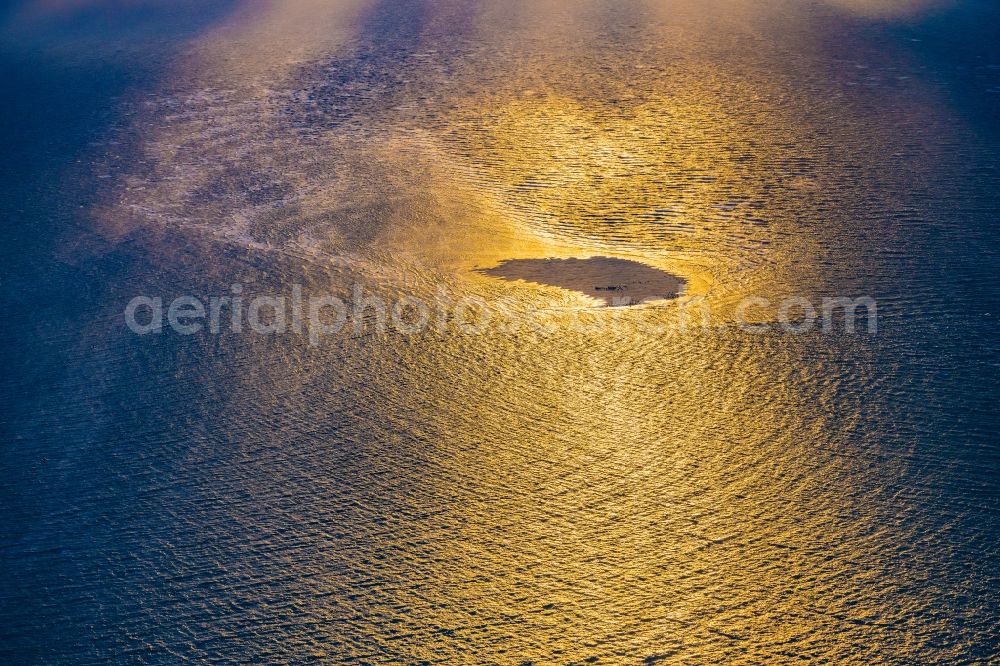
<point>616,282</point>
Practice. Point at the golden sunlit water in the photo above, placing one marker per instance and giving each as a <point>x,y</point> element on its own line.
<point>602,485</point>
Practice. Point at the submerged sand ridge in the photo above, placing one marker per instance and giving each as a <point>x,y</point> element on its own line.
<point>616,282</point>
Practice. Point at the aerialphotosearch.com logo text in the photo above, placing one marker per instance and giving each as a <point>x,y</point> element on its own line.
<point>321,316</point>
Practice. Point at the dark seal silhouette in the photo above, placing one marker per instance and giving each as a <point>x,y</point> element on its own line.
<point>617,282</point>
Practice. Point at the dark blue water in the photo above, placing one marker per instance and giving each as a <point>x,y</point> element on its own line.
<point>237,498</point>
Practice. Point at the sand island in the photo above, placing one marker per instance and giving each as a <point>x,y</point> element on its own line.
<point>616,282</point>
